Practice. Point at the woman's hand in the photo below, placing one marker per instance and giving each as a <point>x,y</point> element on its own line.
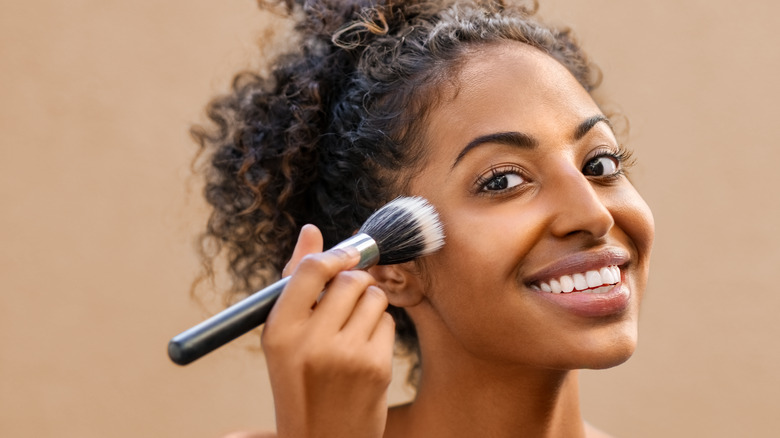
<point>330,361</point>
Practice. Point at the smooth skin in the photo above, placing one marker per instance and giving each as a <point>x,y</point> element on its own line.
<point>499,358</point>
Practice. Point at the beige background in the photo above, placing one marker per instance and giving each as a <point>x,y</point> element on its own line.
<point>98,214</point>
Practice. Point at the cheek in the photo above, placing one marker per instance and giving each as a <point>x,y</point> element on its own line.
<point>633,216</point>
<point>488,241</point>
<point>474,279</point>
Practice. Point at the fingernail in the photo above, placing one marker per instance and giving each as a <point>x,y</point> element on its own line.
<point>347,252</point>
<point>303,229</point>
<point>376,289</point>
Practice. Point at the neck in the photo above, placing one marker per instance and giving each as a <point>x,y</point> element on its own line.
<point>462,396</point>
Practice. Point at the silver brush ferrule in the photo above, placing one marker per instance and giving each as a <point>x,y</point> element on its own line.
<point>366,245</point>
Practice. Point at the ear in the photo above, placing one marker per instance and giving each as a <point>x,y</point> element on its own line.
<point>402,283</point>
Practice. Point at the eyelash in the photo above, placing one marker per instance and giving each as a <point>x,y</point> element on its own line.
<point>622,155</point>
<point>494,173</point>
<point>624,158</point>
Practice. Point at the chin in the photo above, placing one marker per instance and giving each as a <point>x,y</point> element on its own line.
<point>608,352</point>
<point>600,350</point>
<point>612,359</point>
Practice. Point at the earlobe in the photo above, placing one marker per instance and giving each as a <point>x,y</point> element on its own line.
<point>402,283</point>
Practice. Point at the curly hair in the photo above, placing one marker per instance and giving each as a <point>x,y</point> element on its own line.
<point>333,131</point>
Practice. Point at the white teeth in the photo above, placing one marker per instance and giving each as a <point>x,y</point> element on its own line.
<point>579,282</point>
<point>594,281</point>
<point>607,276</point>
<point>567,284</point>
<point>593,278</point>
<point>600,290</point>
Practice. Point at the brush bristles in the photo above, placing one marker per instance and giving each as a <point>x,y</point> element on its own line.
<point>404,229</point>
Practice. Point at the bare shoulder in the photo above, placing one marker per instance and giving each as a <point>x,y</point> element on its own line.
<point>245,434</point>
<point>592,432</point>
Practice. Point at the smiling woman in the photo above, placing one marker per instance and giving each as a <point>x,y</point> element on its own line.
<point>486,113</point>
<point>543,185</point>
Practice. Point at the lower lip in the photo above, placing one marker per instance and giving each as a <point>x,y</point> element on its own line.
<point>592,305</point>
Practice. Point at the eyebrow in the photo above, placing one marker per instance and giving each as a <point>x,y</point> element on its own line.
<point>589,123</point>
<point>512,138</point>
<point>525,141</point>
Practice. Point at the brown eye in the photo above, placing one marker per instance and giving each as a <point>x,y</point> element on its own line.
<point>502,182</point>
<point>601,166</point>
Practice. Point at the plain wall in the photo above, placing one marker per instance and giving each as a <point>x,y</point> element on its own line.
<point>98,215</point>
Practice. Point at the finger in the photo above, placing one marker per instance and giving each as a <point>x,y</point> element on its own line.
<point>308,280</point>
<point>367,314</point>
<point>309,241</point>
<point>383,339</point>
<point>340,298</point>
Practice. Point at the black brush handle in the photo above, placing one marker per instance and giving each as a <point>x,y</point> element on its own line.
<point>225,326</point>
<point>250,312</point>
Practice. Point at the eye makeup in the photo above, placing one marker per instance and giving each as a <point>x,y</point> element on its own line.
<point>500,179</point>
<point>621,160</point>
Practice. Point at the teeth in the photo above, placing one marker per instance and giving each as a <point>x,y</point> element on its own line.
<point>595,281</point>
<point>579,282</point>
<point>593,278</point>
<point>607,276</point>
<point>567,284</point>
<point>599,290</point>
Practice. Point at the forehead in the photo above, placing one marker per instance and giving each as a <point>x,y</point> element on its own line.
<point>508,86</point>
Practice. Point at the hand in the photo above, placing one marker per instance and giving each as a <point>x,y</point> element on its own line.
<point>330,361</point>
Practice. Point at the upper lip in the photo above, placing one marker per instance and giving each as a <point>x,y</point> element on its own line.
<point>580,262</point>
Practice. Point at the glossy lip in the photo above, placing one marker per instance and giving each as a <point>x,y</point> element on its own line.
<point>580,262</point>
<point>592,305</point>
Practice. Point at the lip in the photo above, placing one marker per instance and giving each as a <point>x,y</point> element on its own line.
<point>591,305</point>
<point>580,262</point>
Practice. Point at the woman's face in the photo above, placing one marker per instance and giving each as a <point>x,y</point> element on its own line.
<point>526,174</point>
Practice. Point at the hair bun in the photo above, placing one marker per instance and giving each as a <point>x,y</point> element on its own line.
<point>322,19</point>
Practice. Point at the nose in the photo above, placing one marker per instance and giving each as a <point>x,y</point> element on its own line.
<point>578,208</point>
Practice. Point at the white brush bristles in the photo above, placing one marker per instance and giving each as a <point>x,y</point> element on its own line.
<point>427,219</point>
<point>404,229</point>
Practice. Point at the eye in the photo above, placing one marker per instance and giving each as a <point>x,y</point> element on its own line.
<point>500,180</point>
<point>503,182</point>
<point>605,165</point>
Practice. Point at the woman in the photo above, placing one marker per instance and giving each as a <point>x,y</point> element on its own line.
<point>488,115</point>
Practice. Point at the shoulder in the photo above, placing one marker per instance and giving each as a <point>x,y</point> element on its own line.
<point>245,434</point>
<point>592,432</point>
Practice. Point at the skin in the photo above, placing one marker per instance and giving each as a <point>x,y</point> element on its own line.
<point>495,350</point>
<point>499,356</point>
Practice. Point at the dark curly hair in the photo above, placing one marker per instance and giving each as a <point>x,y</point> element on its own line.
<point>337,127</point>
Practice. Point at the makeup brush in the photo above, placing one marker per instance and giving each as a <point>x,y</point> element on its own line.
<point>401,231</point>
